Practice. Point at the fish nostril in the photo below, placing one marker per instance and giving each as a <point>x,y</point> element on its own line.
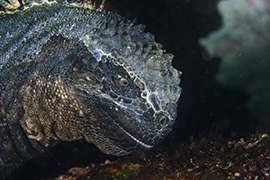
<point>163,121</point>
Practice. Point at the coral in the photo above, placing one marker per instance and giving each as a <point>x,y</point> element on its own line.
<point>243,44</point>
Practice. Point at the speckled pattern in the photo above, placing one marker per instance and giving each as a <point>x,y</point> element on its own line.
<point>71,73</point>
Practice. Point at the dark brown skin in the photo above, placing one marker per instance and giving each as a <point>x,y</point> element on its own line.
<point>69,73</point>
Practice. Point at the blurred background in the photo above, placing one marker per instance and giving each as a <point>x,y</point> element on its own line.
<point>205,107</point>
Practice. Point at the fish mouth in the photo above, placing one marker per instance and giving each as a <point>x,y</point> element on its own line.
<point>135,139</point>
<point>122,128</point>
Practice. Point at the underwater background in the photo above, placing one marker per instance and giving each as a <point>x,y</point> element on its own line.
<point>205,105</point>
<point>222,101</point>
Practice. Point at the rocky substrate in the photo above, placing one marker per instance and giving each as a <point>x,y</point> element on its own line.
<point>202,159</point>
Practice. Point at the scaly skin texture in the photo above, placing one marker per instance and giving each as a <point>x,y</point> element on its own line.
<point>70,73</point>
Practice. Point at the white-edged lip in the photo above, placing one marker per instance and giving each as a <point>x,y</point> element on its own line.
<point>135,139</point>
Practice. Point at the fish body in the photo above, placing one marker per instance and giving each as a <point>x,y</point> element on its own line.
<point>70,72</point>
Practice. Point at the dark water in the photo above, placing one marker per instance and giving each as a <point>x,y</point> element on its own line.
<point>205,107</point>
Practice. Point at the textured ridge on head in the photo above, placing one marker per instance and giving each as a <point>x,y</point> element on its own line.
<point>122,87</point>
<point>11,6</point>
<point>140,55</point>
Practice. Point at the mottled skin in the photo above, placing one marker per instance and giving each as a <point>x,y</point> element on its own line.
<point>70,73</point>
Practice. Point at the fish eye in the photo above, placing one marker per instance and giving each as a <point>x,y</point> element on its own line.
<point>123,82</point>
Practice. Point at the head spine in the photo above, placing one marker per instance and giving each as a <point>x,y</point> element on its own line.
<point>12,6</point>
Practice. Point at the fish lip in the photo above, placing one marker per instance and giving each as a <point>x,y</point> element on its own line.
<point>134,138</point>
<point>114,119</point>
<point>142,144</point>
